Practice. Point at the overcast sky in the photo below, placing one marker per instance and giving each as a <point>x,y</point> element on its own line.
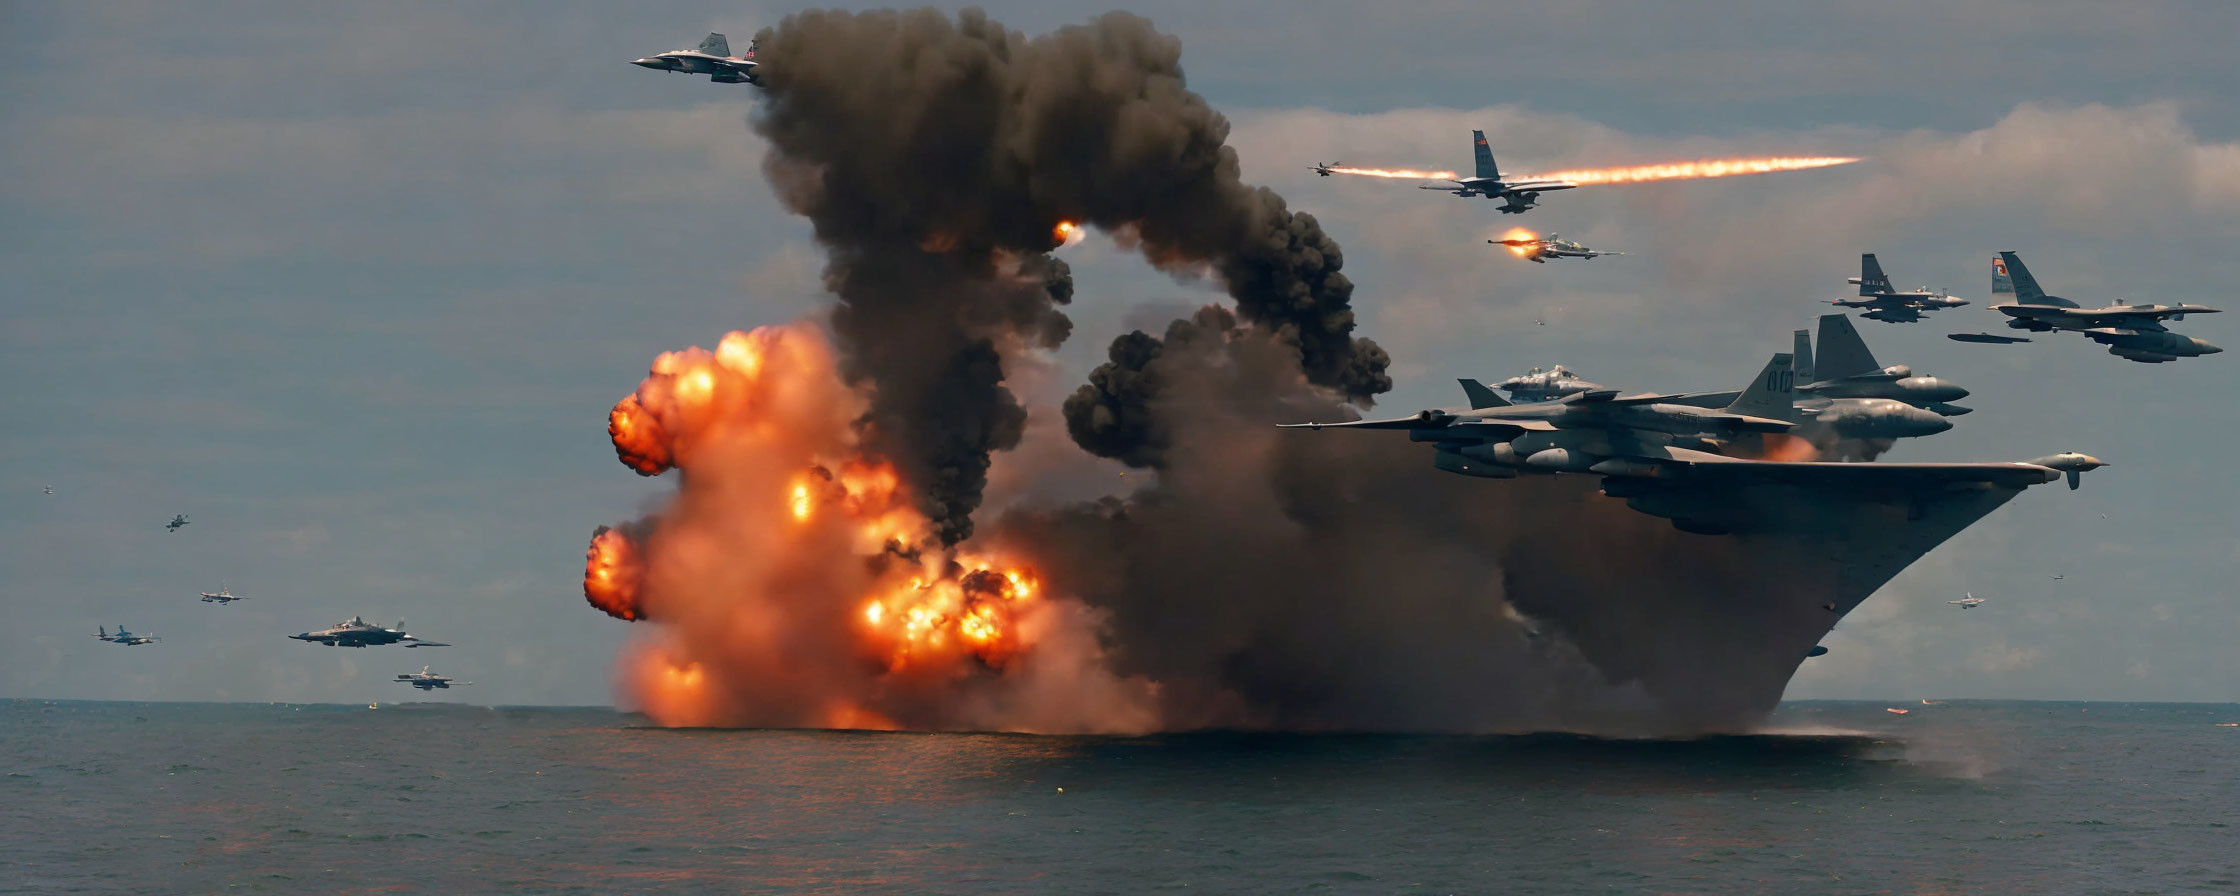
<point>355,285</point>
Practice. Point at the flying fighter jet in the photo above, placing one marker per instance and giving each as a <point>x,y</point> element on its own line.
<point>1660,456</point>
<point>1323,168</point>
<point>177,522</point>
<point>221,597</point>
<point>123,637</point>
<point>1517,195</point>
<point>1545,385</point>
<point>1887,304</point>
<point>2129,331</point>
<point>429,681</point>
<point>713,58</point>
<point>359,633</point>
<point>1968,603</point>
<point>1539,249</point>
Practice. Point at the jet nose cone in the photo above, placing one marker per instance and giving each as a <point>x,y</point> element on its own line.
<point>2206,348</point>
<point>650,62</point>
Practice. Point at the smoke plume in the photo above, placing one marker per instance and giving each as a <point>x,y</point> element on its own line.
<point>818,565</point>
<point>937,156</point>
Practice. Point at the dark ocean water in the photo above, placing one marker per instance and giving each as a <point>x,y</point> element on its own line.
<point>1966,797</point>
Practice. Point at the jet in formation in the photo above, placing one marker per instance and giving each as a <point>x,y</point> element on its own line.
<point>712,58</point>
<point>1986,338</point>
<point>221,597</point>
<point>2129,331</point>
<point>123,637</point>
<point>1539,249</point>
<point>429,681</point>
<point>178,521</point>
<point>1968,603</point>
<point>1545,385</point>
<point>1689,464</point>
<point>359,633</point>
<point>1887,304</point>
<point>1516,196</point>
<point>1850,404</point>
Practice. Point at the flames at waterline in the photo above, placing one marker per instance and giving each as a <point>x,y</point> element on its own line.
<point>791,581</point>
<point>1630,174</point>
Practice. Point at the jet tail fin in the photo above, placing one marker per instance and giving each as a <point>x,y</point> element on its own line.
<point>2009,276</point>
<point>1771,393</point>
<point>1480,396</point>
<point>1871,279</point>
<point>1803,353</point>
<point>1484,155</point>
<point>1842,352</point>
<point>715,45</point>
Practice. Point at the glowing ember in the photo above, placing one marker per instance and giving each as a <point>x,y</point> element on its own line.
<point>1690,170</point>
<point>800,502</point>
<point>1067,233</point>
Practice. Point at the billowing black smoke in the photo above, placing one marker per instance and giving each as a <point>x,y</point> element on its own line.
<point>934,155</point>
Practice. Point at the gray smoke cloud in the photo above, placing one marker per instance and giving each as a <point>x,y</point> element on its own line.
<point>1335,580</point>
<point>934,155</point>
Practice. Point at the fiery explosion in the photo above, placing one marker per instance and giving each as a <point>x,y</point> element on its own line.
<point>794,581</point>
<point>1067,233</point>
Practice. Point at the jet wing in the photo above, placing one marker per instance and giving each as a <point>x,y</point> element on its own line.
<point>1705,465</point>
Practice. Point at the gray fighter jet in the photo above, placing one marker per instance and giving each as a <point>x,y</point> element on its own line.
<point>2129,331</point>
<point>1546,385</point>
<point>1539,249</point>
<point>123,637</point>
<point>1663,458</point>
<point>712,58</point>
<point>1968,603</point>
<point>429,681</point>
<point>1887,304</point>
<point>359,633</point>
<point>1516,196</point>
<point>221,597</point>
<point>178,521</point>
<point>1847,371</point>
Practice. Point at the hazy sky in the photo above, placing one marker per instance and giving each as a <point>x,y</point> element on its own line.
<point>355,285</point>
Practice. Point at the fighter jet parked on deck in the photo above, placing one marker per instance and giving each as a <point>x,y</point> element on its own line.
<point>429,681</point>
<point>1887,304</point>
<point>359,633</point>
<point>221,596</point>
<point>712,58</point>
<point>178,522</point>
<point>1516,195</point>
<point>1665,459</point>
<point>1545,385</point>
<point>1967,603</point>
<point>1539,249</point>
<point>2129,331</point>
<point>123,637</point>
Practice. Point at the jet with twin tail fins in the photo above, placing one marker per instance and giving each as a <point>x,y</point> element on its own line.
<point>1851,396</point>
<point>1516,196</point>
<point>2134,332</point>
<point>429,681</point>
<point>1887,304</point>
<point>1694,465</point>
<point>712,58</point>
<point>1538,249</point>
<point>123,637</point>
<point>359,633</point>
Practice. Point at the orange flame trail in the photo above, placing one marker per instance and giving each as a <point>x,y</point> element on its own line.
<point>1690,170</point>
<point>1406,173</point>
